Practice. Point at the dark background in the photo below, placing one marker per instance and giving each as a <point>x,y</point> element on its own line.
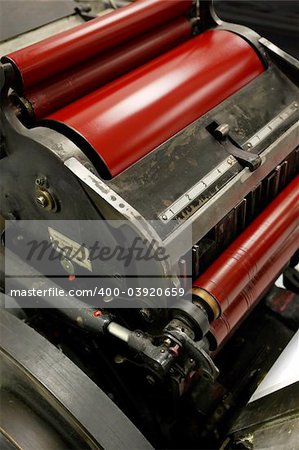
<point>278,21</point>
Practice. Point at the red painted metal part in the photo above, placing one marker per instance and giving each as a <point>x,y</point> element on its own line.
<point>254,291</point>
<point>128,118</point>
<point>50,56</point>
<point>59,91</point>
<point>226,278</point>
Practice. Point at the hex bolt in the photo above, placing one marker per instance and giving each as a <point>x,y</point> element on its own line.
<point>42,201</point>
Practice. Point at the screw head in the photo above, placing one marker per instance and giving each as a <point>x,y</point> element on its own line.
<point>119,359</point>
<point>44,199</point>
<point>67,265</point>
<point>41,200</point>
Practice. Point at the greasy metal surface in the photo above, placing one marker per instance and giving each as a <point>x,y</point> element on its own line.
<point>151,104</point>
<point>278,407</point>
<point>36,35</point>
<point>43,377</point>
<point>245,257</point>
<point>254,290</point>
<point>19,17</point>
<point>46,150</point>
<point>72,84</point>
<point>112,206</point>
<point>205,182</point>
<point>67,49</point>
<point>274,124</point>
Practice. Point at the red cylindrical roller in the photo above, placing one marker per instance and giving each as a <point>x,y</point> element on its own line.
<point>225,279</point>
<point>254,290</point>
<point>50,56</point>
<point>78,81</point>
<point>128,118</point>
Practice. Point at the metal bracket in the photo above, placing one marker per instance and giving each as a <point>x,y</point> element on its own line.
<point>196,351</point>
<point>281,54</point>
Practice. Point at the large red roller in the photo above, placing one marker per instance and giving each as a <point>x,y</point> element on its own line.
<point>59,91</point>
<point>50,56</point>
<point>226,278</point>
<point>128,118</point>
<point>254,290</point>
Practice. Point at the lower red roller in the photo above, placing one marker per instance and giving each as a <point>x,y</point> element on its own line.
<point>73,84</point>
<point>128,118</point>
<point>226,278</point>
<point>254,290</point>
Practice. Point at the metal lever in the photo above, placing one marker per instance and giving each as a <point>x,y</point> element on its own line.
<point>247,159</point>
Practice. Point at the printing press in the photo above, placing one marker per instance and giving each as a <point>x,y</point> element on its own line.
<point>159,122</point>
